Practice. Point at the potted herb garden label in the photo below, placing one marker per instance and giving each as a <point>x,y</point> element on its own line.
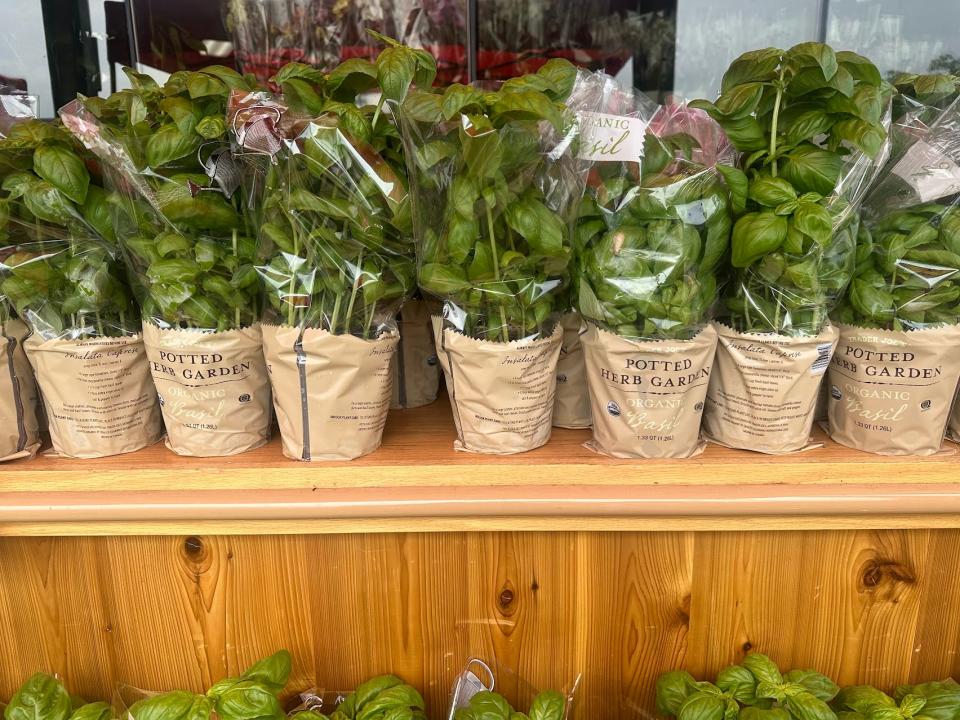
<point>59,270</point>
<point>811,127</point>
<point>652,233</point>
<point>189,240</point>
<point>493,189</point>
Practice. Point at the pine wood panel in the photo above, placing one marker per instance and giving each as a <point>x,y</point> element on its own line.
<point>161,612</point>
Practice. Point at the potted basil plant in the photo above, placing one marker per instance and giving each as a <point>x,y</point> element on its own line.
<point>62,274</point>
<point>811,128</point>
<point>190,241</point>
<point>493,188</point>
<point>336,250</point>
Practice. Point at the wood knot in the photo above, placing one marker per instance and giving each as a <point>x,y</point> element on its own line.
<point>747,646</point>
<point>506,598</point>
<point>880,571</point>
<point>193,549</point>
<point>684,610</point>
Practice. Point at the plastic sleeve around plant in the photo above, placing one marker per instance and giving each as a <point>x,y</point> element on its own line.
<point>494,178</point>
<point>907,273</point>
<point>488,689</point>
<point>652,232</point>
<point>335,247</point>
<point>187,238</point>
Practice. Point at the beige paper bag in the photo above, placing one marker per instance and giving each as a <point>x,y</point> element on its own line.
<point>19,422</point>
<point>416,375</point>
<point>572,406</point>
<point>764,387</point>
<point>502,394</point>
<point>648,395</point>
<point>97,393</point>
<point>213,389</point>
<point>331,392</point>
<point>891,391</point>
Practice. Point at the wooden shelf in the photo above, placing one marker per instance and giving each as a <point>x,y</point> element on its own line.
<point>416,482</point>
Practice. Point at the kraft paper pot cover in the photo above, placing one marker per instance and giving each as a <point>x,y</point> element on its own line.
<point>416,374</point>
<point>891,391</point>
<point>213,389</point>
<point>763,390</point>
<point>19,421</point>
<point>98,394</point>
<point>648,394</point>
<point>331,392</point>
<point>572,406</point>
<point>501,393</point>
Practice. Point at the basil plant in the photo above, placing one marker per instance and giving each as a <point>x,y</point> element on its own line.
<point>379,697</point>
<point>487,705</point>
<point>907,273</point>
<point>493,190</point>
<point>43,697</point>
<point>186,231</point>
<point>59,267</point>
<point>755,689</point>
<point>811,127</point>
<point>651,234</point>
<point>254,695</point>
<point>336,241</point>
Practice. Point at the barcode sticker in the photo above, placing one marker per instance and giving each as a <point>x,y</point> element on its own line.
<point>823,359</point>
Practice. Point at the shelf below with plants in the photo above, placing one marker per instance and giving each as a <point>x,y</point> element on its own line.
<point>416,482</point>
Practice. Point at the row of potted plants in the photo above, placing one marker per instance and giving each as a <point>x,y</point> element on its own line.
<point>753,689</point>
<point>211,252</point>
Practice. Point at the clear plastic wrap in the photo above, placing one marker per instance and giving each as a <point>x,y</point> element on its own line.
<point>336,253</point>
<point>894,377</point>
<point>190,244</point>
<point>653,230</point>
<point>494,184</point>
<point>19,401</point>
<point>64,278</point>
<point>811,125</point>
<point>485,690</point>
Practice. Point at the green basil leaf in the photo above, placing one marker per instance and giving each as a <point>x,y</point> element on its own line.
<point>771,191</point>
<point>911,705</point>
<point>302,71</point>
<point>808,125</point>
<point>738,186</point>
<point>176,705</point>
<point>168,144</point>
<point>862,69</point>
<point>456,97</point>
<point>352,76</point>
<point>49,203</point>
<point>200,85</point>
<point>396,67</point>
<point>528,104</point>
<point>757,713</point>
<point>811,169</point>
<point>814,220</point>
<point>62,168</point>
<point>702,706</point>
<point>739,682</point>
<point>740,100</point>
<point>561,74</point>
<point>755,235</point>
<point>817,684</point>
<point>539,226</point>
<point>443,280</point>
<point>869,138</point>
<point>548,705</point>
<point>93,711</point>
<point>753,66</point>
<point>273,672</point>
<point>804,706</point>
<point>423,107</point>
<point>42,697</point>
<point>822,55</point>
<point>862,698</point>
<point>211,127</point>
<point>762,667</point>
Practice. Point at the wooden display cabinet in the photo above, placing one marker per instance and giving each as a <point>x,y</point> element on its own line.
<point>161,572</point>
